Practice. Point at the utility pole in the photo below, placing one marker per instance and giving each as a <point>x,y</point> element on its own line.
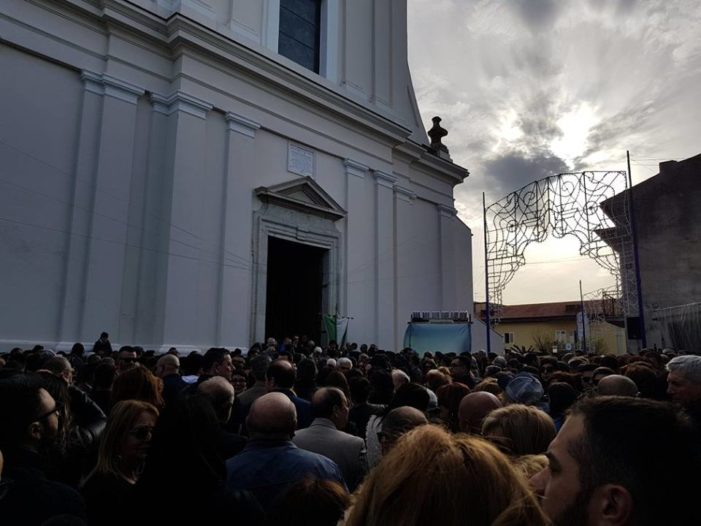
<point>584,317</point>
<point>486,276</point>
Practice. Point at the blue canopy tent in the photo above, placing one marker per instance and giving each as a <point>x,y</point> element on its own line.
<point>425,337</point>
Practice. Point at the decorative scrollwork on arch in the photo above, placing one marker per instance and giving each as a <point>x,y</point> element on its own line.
<point>559,205</point>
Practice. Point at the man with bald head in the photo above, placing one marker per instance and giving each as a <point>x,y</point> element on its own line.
<point>473,408</point>
<point>271,462</point>
<point>330,410</point>
<point>616,385</point>
<point>168,370</point>
<point>280,378</point>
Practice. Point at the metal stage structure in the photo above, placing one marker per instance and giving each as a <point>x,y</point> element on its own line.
<point>568,204</point>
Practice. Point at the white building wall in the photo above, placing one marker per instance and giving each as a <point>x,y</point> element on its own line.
<point>129,171</point>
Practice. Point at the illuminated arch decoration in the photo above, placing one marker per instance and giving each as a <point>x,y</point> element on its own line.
<point>561,205</point>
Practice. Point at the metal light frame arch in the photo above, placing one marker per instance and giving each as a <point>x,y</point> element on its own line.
<point>560,205</point>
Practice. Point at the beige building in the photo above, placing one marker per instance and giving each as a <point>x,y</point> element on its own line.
<point>548,326</point>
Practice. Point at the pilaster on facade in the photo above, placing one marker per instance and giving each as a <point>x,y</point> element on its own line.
<point>355,168</point>
<point>110,200</point>
<point>448,277</point>
<point>385,231</point>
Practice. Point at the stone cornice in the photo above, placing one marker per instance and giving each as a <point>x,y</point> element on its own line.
<point>180,101</point>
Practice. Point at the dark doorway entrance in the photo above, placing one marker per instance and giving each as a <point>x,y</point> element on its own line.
<point>294,289</point>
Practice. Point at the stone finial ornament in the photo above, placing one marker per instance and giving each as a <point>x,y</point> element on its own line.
<point>436,134</point>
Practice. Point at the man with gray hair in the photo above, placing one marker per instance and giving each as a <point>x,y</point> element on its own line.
<point>684,384</point>
<point>271,462</point>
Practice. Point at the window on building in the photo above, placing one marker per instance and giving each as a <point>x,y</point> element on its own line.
<point>300,32</point>
<point>508,338</point>
<point>561,336</point>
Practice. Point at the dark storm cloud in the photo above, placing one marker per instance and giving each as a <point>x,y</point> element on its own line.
<point>538,15</point>
<point>510,171</point>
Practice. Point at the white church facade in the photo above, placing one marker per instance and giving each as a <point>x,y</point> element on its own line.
<point>199,173</point>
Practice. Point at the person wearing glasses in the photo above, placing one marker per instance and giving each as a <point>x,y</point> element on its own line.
<point>123,448</point>
<point>29,427</point>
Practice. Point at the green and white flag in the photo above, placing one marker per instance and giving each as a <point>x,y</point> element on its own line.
<point>336,328</point>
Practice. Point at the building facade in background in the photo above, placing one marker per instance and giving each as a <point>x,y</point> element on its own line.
<point>548,326</point>
<point>200,172</point>
<point>668,221</point>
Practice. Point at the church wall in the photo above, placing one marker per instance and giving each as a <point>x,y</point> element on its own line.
<point>149,156</point>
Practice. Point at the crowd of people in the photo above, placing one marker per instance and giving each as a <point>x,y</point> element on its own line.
<point>290,433</point>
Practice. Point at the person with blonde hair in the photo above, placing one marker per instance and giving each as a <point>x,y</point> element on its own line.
<point>519,430</point>
<point>433,477</point>
<point>123,448</point>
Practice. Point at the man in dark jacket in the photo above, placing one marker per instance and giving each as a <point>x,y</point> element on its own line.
<point>29,426</point>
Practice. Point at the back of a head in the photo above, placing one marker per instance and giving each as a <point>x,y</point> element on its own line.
<point>519,429</point>
<point>413,395</point>
<point>282,373</point>
<point>219,391</point>
<point>259,367</point>
<point>138,383</point>
<point>57,365</point>
<point>104,376</point>
<point>450,396</point>
<point>646,446</point>
<point>402,420</point>
<point>474,407</point>
<point>649,382</point>
<point>272,415</point>
<point>462,480</point>
<point>183,453</point>
<point>325,400</point>
<point>616,385</point>
<point>339,380</point>
<point>359,389</point>
<point>562,395</point>
<point>310,502</point>
<point>306,371</point>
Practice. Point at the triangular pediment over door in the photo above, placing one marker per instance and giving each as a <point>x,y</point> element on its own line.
<point>304,195</point>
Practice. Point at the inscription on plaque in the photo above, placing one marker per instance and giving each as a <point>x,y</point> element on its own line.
<point>300,160</point>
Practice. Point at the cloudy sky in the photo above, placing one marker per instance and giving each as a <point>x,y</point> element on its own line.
<point>531,88</point>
